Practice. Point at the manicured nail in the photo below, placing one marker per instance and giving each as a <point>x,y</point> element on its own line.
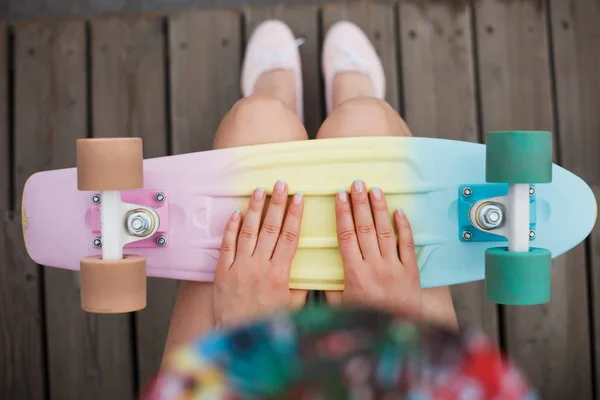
<point>297,199</point>
<point>358,186</point>
<point>401,213</point>
<point>280,186</point>
<point>342,196</point>
<point>236,214</point>
<point>259,193</point>
<point>376,192</point>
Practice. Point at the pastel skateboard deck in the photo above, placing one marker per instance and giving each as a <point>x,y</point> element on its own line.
<point>433,180</point>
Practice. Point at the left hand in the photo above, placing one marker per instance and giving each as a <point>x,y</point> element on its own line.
<point>253,271</point>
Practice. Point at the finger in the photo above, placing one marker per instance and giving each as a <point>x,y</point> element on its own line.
<point>298,298</point>
<point>406,242</point>
<point>334,299</point>
<point>229,241</point>
<point>383,224</point>
<point>363,220</point>
<point>347,239</point>
<point>287,244</point>
<point>249,231</point>
<point>271,227</point>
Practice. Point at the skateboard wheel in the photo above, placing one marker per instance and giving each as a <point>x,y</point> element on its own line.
<point>109,286</point>
<point>519,157</point>
<point>518,278</point>
<point>110,164</point>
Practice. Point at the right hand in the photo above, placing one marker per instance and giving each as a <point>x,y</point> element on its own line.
<point>378,271</point>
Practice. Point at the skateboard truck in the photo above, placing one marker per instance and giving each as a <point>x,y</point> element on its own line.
<point>486,214</point>
<point>146,219</point>
<point>504,209</point>
<point>112,169</point>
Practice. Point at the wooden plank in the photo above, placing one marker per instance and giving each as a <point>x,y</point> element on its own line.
<point>378,22</point>
<point>205,75</point>
<point>28,9</point>
<point>303,20</point>
<point>22,372</point>
<point>440,101</point>
<point>576,38</point>
<point>129,99</point>
<point>4,129</point>
<point>551,342</point>
<point>50,115</point>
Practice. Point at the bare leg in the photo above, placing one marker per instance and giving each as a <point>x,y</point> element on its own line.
<point>265,117</point>
<point>356,113</point>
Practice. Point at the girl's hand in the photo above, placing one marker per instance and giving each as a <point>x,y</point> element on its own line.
<point>378,271</point>
<point>253,271</point>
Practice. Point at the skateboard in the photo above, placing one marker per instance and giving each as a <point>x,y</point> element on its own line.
<point>498,211</point>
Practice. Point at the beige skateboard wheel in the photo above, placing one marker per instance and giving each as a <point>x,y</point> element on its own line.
<point>113,286</point>
<point>110,164</point>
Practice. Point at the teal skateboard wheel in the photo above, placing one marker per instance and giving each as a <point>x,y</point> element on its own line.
<point>519,157</point>
<point>515,278</point>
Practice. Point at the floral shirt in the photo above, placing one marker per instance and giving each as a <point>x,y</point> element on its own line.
<point>322,353</point>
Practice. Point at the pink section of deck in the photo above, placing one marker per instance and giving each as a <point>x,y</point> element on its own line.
<point>193,239</point>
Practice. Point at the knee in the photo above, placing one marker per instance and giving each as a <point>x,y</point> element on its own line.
<point>258,119</point>
<point>364,116</point>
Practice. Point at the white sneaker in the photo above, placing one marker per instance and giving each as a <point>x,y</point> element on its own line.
<point>346,48</point>
<point>272,46</point>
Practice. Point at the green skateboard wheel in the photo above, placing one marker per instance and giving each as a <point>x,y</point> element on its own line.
<point>519,157</point>
<point>518,278</point>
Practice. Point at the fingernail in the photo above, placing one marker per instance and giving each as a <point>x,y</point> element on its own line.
<point>297,199</point>
<point>235,215</point>
<point>358,186</point>
<point>259,193</point>
<point>401,213</point>
<point>342,195</point>
<point>280,186</point>
<point>376,192</point>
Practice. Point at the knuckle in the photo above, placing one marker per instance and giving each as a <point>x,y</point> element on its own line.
<point>365,228</point>
<point>294,210</point>
<point>255,205</point>
<point>227,247</point>
<point>278,199</point>
<point>271,228</point>
<point>361,199</point>
<point>346,235</point>
<point>385,233</point>
<point>289,237</point>
<point>247,233</point>
<point>343,210</point>
<point>409,243</point>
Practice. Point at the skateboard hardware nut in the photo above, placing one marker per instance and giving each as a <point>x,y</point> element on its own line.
<point>160,197</point>
<point>467,235</point>
<point>489,216</point>
<point>531,190</point>
<point>97,242</point>
<point>140,223</point>
<point>96,199</point>
<point>161,241</point>
<point>531,234</point>
<point>467,192</point>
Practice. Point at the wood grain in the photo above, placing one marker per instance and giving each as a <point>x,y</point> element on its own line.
<point>550,342</point>
<point>50,115</point>
<point>205,52</point>
<point>22,371</point>
<point>129,99</point>
<point>576,38</point>
<point>4,122</point>
<point>378,23</point>
<point>440,101</point>
<point>303,21</point>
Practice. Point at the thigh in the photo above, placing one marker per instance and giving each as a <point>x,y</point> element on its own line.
<point>258,119</point>
<point>363,116</point>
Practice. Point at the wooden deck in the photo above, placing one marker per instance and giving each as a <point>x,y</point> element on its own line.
<point>455,69</point>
